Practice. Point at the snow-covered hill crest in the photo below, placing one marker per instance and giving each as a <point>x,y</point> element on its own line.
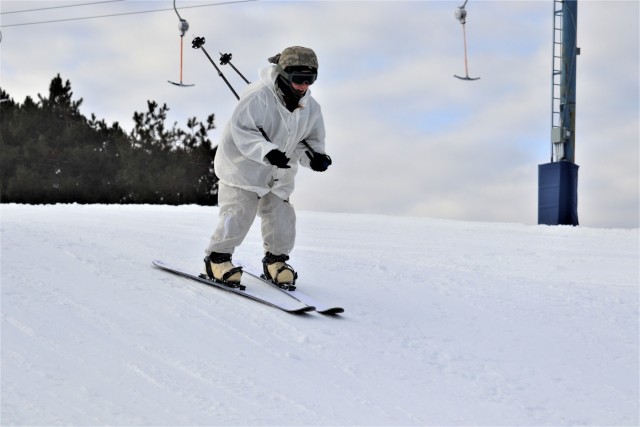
<point>446,323</point>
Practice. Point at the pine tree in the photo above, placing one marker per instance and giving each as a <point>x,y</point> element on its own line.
<point>51,153</point>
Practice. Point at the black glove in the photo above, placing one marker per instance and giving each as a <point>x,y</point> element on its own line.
<point>278,158</point>
<point>319,162</point>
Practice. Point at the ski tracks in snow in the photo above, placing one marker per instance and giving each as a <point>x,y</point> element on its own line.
<point>446,323</point>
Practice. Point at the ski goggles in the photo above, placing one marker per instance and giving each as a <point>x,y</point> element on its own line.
<point>299,77</point>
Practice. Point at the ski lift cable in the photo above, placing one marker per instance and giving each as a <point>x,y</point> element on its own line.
<point>59,7</point>
<point>177,13</point>
<point>122,14</point>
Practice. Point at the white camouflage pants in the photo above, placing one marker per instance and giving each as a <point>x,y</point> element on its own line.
<point>238,210</point>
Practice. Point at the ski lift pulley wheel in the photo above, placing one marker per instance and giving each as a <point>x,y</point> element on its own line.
<point>183,26</point>
<point>461,15</point>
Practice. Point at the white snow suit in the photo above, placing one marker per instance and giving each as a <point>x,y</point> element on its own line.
<point>249,184</point>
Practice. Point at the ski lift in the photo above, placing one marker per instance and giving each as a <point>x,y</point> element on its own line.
<point>461,15</point>
<point>183,27</point>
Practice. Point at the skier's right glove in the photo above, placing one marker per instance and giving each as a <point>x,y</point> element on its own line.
<point>319,162</point>
<point>278,158</point>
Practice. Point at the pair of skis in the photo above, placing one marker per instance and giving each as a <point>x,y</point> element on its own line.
<point>300,302</point>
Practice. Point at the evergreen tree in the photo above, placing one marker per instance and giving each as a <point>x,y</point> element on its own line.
<point>51,153</point>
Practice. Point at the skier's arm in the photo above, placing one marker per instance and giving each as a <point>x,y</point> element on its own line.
<point>314,142</point>
<point>246,122</point>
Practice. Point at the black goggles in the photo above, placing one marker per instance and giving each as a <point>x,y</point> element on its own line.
<point>299,77</point>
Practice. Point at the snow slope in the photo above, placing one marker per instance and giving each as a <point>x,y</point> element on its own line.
<point>446,323</point>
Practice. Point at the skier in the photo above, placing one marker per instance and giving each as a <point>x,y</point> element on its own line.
<point>276,125</point>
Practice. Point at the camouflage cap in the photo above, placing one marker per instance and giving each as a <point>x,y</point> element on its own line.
<point>298,56</point>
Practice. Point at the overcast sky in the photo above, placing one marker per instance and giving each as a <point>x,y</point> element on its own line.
<point>406,137</point>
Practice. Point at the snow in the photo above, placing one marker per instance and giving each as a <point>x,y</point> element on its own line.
<point>446,323</point>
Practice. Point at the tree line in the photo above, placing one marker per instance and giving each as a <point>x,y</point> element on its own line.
<point>51,153</point>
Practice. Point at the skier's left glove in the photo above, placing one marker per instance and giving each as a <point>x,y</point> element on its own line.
<point>278,158</point>
<point>319,162</point>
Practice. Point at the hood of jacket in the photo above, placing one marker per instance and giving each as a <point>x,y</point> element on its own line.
<point>268,76</point>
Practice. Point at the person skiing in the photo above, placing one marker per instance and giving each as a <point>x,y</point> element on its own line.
<point>276,126</point>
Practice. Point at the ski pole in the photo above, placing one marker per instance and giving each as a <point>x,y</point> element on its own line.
<point>225,58</point>
<point>198,43</point>
<point>304,142</point>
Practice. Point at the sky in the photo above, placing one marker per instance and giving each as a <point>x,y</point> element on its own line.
<point>406,137</point>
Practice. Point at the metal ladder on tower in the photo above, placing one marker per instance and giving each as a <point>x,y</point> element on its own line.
<point>558,100</point>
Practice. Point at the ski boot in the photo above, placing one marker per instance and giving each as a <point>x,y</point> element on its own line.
<point>218,267</point>
<point>278,272</point>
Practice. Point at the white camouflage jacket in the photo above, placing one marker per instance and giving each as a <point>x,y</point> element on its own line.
<point>240,160</point>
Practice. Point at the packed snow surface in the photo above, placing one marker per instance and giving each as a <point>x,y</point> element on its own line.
<point>446,323</point>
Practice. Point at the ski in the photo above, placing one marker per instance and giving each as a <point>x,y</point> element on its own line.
<point>295,294</point>
<point>294,308</point>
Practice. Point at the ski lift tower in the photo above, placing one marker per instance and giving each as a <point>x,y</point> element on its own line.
<point>558,180</point>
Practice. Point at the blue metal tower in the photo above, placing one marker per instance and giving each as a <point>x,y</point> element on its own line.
<point>558,180</point>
